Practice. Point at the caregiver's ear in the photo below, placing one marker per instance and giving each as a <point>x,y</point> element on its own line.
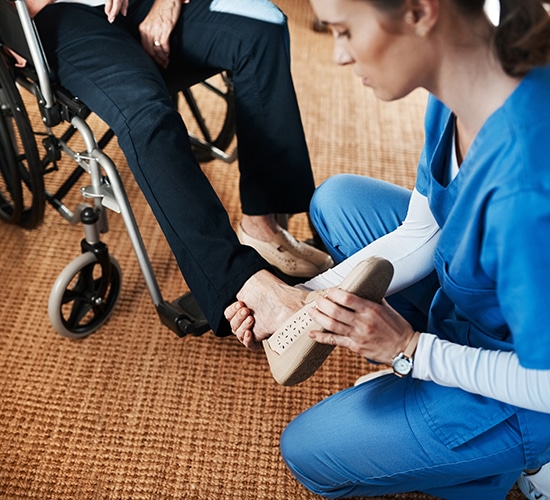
<point>422,15</point>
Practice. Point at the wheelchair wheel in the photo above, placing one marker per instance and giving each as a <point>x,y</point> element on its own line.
<point>83,296</point>
<point>216,129</point>
<point>11,193</point>
<point>22,194</point>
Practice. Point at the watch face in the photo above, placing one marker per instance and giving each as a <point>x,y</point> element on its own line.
<point>402,365</point>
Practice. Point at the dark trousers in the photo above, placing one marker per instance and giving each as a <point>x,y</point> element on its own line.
<point>105,65</point>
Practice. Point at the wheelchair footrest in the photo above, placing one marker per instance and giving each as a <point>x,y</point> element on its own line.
<point>183,316</point>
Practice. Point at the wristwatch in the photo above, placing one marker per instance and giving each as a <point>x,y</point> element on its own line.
<point>402,364</point>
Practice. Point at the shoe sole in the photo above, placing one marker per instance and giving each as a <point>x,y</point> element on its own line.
<point>300,356</point>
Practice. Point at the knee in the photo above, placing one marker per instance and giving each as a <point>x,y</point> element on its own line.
<point>291,451</point>
<point>297,451</point>
<point>295,454</point>
<point>156,121</point>
<point>330,205</point>
<point>331,194</point>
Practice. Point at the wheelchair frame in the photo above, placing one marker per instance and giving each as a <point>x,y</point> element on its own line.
<point>86,291</point>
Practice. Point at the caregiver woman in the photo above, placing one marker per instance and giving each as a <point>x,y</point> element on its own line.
<point>472,411</point>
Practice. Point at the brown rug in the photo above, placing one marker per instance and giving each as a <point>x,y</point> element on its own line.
<point>134,412</point>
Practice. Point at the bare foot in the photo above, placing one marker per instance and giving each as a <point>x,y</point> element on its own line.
<point>264,303</point>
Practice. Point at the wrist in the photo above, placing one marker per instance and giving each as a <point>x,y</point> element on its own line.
<point>412,345</point>
<point>402,363</point>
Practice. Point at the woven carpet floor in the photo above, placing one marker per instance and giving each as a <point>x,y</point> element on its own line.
<point>133,411</point>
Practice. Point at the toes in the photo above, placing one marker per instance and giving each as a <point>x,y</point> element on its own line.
<point>232,310</point>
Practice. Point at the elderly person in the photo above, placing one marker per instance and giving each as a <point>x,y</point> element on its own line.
<point>114,54</point>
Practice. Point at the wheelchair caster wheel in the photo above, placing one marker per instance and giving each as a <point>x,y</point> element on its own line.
<point>83,296</point>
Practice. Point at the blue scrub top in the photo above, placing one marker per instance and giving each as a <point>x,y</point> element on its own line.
<point>493,256</point>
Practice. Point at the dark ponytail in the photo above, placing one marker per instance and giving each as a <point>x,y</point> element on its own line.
<point>522,39</point>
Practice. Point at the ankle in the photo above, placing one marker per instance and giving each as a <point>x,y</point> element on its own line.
<point>262,227</point>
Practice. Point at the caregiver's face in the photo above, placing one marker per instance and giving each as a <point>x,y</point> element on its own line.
<point>379,46</point>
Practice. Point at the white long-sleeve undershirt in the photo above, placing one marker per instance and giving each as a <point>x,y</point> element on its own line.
<point>410,248</point>
<point>495,374</point>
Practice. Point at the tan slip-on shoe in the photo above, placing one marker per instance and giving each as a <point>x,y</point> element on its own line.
<point>292,257</point>
<point>292,355</point>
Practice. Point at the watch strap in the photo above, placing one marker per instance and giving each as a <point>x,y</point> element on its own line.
<point>411,346</point>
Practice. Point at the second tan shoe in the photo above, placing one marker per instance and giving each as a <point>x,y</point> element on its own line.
<point>292,257</point>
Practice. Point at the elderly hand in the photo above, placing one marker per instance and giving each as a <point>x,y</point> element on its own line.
<point>35,6</point>
<point>115,7</point>
<point>156,28</point>
<point>112,7</point>
<point>374,331</point>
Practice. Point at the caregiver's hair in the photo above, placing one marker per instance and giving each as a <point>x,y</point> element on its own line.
<point>522,38</point>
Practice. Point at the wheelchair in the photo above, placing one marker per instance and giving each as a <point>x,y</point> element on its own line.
<point>86,291</point>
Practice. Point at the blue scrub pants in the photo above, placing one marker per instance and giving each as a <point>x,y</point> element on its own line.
<point>105,66</point>
<point>374,439</point>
